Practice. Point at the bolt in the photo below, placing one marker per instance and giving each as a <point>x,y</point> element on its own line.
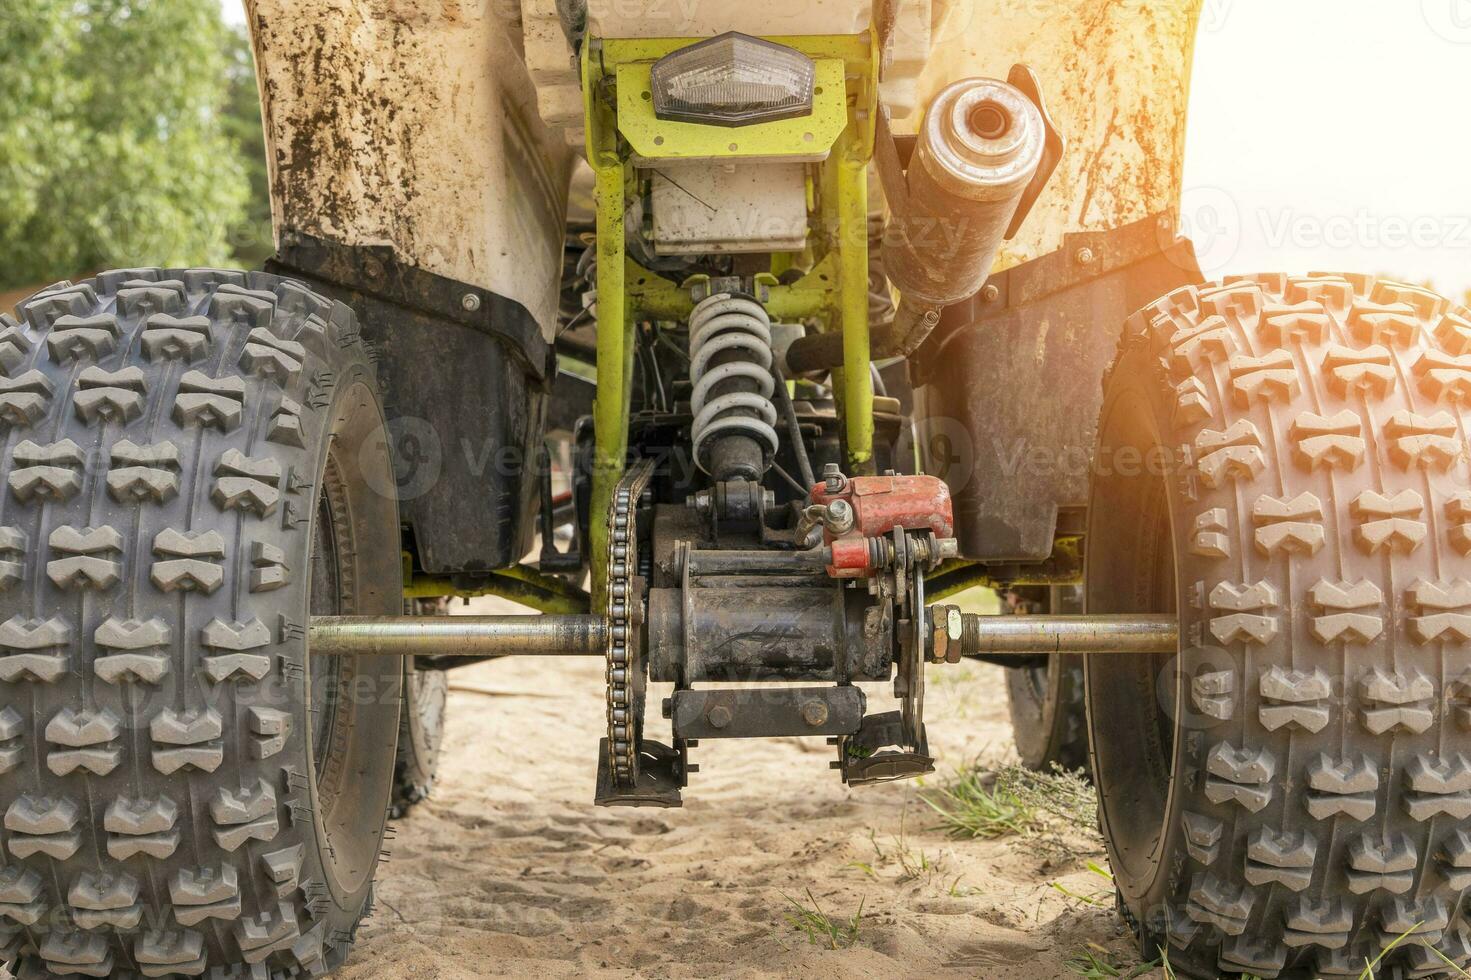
<point>768,499</point>
<point>668,707</point>
<point>814,713</point>
<point>832,473</point>
<point>718,716</point>
<point>949,548</point>
<point>1084,256</point>
<point>470,302</point>
<point>990,293</point>
<point>839,517</point>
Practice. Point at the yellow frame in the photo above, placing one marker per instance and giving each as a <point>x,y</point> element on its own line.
<point>833,292</point>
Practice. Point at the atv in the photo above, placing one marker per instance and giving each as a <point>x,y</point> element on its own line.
<point>734,339</point>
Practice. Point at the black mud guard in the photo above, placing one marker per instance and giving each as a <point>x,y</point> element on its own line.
<point>1009,386</point>
<point>466,376</point>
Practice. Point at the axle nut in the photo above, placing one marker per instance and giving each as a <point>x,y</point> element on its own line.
<point>814,713</point>
<point>954,631</point>
<point>719,716</point>
<point>945,634</point>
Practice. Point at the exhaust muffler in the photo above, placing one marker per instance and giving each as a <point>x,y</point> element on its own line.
<point>977,159</point>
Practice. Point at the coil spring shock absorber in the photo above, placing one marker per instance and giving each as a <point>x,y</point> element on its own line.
<point>733,432</point>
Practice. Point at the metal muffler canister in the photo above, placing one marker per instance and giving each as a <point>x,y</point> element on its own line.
<point>979,147</point>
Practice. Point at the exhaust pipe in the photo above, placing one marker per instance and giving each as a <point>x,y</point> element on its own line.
<point>977,153</point>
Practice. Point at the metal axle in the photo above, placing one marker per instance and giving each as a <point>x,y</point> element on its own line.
<point>1038,635</point>
<point>476,637</point>
<point>481,637</point>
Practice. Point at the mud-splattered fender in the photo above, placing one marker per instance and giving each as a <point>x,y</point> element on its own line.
<point>413,123</point>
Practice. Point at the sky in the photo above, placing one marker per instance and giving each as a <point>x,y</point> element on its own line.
<point>1332,134</point>
<point>1326,135</point>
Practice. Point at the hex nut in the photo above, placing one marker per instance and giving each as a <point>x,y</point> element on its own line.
<point>839,517</point>
<point>814,713</point>
<point>718,716</point>
<point>954,631</point>
<point>940,633</point>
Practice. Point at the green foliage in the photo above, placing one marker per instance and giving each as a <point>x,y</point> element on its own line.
<point>113,149</point>
<point>251,239</point>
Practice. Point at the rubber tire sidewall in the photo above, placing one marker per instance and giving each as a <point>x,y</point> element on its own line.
<point>358,444</point>
<point>1115,573</point>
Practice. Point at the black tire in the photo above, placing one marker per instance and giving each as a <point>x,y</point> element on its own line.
<point>421,725</point>
<point>1284,462</point>
<point>195,463</point>
<point>1046,702</point>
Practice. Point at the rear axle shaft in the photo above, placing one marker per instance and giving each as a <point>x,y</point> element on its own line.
<point>476,637</point>
<point>480,637</point>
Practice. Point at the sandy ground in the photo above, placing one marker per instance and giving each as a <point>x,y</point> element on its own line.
<point>510,870</point>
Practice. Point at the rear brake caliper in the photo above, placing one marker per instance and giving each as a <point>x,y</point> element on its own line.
<point>890,530</point>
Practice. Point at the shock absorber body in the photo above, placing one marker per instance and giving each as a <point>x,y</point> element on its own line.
<point>734,428</point>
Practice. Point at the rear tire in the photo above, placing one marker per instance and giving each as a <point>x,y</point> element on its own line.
<point>1284,462</point>
<point>195,464</point>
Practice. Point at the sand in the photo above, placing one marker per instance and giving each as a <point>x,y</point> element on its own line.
<point>509,870</point>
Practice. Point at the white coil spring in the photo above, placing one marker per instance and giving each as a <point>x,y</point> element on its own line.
<point>731,323</point>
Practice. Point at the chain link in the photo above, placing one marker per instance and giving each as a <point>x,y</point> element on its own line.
<point>625,665</point>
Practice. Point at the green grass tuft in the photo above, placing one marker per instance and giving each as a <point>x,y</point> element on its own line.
<point>1097,963</point>
<point>819,928</point>
<point>974,805</point>
<point>1056,812</point>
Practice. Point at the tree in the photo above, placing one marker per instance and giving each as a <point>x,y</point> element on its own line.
<point>113,149</point>
<point>251,239</point>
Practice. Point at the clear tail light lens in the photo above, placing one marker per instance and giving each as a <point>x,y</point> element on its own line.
<point>733,80</point>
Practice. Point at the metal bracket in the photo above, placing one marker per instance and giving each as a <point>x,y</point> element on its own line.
<point>662,774</point>
<point>863,758</point>
<point>1053,147</point>
<point>551,559</point>
<point>766,712</point>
